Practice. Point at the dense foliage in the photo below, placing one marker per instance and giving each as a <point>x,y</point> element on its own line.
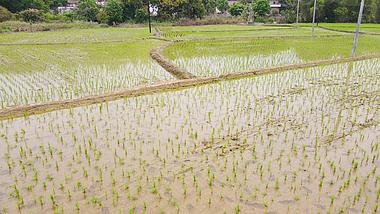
<point>332,10</point>
<point>117,11</point>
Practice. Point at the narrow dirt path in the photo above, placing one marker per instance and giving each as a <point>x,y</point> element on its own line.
<point>158,56</point>
<point>39,108</point>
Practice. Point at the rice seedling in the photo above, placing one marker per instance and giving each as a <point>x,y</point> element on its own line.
<point>248,150</point>
<point>265,143</point>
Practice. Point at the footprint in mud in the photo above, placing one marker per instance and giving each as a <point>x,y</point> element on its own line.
<point>28,206</point>
<point>189,207</point>
<point>229,199</point>
<point>2,196</point>
<point>377,163</point>
<point>307,190</point>
<point>168,179</point>
<point>353,210</point>
<point>248,191</point>
<point>320,206</point>
<point>286,202</point>
<point>105,210</point>
<point>254,204</point>
<point>4,172</point>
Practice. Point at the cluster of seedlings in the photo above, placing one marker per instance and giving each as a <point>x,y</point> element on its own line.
<point>75,36</point>
<point>303,141</point>
<point>228,31</point>
<point>54,84</point>
<point>218,65</point>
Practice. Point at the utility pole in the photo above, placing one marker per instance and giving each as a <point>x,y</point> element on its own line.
<point>150,25</point>
<point>251,17</point>
<point>358,29</point>
<point>298,11</point>
<point>315,9</point>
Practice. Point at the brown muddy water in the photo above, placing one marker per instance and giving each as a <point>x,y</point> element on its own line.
<point>303,141</point>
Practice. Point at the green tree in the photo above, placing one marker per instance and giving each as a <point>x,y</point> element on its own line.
<point>130,8</point>
<point>193,9</point>
<point>20,5</point>
<point>210,6</point>
<point>222,5</point>
<point>114,11</point>
<point>141,15</point>
<point>261,7</point>
<point>377,13</point>
<point>102,17</point>
<point>5,14</point>
<point>32,15</point>
<point>87,10</point>
<point>236,9</point>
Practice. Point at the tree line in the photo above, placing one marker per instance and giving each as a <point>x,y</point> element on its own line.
<point>332,10</point>
<point>117,11</point>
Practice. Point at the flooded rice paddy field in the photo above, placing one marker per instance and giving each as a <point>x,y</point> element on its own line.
<point>304,141</point>
<point>33,74</point>
<point>218,57</point>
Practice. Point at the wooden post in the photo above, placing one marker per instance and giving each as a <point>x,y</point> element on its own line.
<point>298,11</point>
<point>150,25</point>
<point>315,9</point>
<point>358,29</point>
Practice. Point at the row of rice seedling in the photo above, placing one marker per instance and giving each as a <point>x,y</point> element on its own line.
<point>303,141</point>
<point>242,31</point>
<point>53,84</point>
<point>217,65</point>
<point>76,36</point>
<point>215,57</point>
<point>32,74</point>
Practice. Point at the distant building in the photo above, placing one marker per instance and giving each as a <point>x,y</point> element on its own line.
<point>275,7</point>
<point>72,4</point>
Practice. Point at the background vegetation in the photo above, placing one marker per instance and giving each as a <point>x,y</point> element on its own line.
<point>136,11</point>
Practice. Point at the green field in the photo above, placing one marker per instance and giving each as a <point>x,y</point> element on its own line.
<point>208,58</point>
<point>367,28</point>
<point>106,133</point>
<point>76,36</point>
<point>249,31</point>
<point>32,73</point>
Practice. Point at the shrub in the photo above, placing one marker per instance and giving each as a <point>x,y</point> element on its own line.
<point>87,10</point>
<point>32,15</point>
<point>18,26</point>
<point>141,15</point>
<point>102,17</point>
<point>290,16</point>
<point>210,20</point>
<point>261,7</point>
<point>114,12</point>
<point>236,9</point>
<point>5,14</point>
<point>222,5</point>
<point>263,19</point>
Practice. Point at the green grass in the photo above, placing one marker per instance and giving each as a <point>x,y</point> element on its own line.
<point>29,58</point>
<point>76,36</point>
<point>224,56</point>
<point>42,73</point>
<point>306,48</point>
<point>370,28</point>
<point>222,27</point>
<point>225,31</point>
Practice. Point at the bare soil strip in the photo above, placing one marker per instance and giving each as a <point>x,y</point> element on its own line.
<point>347,31</point>
<point>173,69</point>
<point>39,108</point>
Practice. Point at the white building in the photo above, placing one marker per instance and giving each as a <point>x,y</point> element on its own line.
<point>72,4</point>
